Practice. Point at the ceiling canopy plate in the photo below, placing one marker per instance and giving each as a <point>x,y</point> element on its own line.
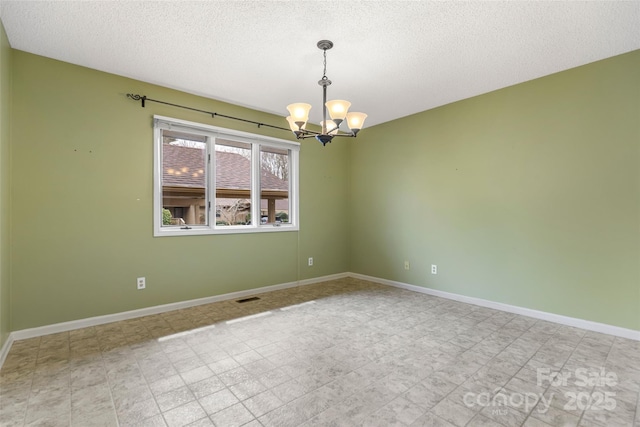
<point>325,44</point>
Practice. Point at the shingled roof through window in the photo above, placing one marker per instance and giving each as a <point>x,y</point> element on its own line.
<point>185,167</point>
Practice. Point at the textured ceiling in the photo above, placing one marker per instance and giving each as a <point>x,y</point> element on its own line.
<point>391,58</point>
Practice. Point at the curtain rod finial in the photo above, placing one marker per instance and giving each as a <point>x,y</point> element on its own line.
<point>137,97</point>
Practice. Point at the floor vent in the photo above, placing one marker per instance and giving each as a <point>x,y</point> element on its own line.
<point>247,299</point>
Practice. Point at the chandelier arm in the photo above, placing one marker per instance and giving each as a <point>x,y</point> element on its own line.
<point>307,135</point>
<point>311,134</point>
<point>308,132</point>
<point>348,135</point>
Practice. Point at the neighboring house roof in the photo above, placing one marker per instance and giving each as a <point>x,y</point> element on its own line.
<point>185,166</point>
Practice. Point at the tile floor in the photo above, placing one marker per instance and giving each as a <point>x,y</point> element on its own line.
<point>339,353</point>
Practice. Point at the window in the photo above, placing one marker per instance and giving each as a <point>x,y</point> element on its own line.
<point>210,180</point>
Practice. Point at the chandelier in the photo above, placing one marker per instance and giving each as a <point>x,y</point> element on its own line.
<point>338,111</point>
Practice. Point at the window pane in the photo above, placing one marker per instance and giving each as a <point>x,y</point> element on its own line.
<point>233,183</point>
<point>274,185</point>
<point>184,179</point>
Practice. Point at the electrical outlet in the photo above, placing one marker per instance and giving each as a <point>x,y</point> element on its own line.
<point>141,283</point>
<point>434,269</point>
<point>406,265</point>
<point>310,261</point>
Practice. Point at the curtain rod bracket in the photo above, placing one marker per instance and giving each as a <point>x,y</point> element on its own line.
<point>137,97</point>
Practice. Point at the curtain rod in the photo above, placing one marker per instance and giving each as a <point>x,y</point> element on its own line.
<point>213,114</point>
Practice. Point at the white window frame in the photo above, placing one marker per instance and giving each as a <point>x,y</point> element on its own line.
<point>212,133</point>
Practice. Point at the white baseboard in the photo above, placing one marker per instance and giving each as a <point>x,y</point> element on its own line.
<point>125,315</point>
<point>4,351</point>
<point>551,317</point>
<point>322,279</point>
<point>116,317</point>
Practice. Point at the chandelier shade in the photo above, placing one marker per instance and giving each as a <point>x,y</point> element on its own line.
<point>295,127</point>
<point>338,109</point>
<point>299,112</point>
<point>338,112</point>
<point>355,121</point>
<point>330,126</point>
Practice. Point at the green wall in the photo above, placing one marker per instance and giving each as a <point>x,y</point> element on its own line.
<point>529,195</point>
<point>82,170</point>
<point>5,110</point>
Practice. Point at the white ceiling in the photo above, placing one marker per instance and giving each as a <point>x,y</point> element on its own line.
<point>391,58</point>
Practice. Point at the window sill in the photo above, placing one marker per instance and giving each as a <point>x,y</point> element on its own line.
<point>199,231</point>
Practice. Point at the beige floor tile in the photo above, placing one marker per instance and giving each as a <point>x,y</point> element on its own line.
<point>184,415</point>
<point>206,387</point>
<point>233,416</point>
<point>197,374</point>
<point>137,411</point>
<point>246,389</point>
<point>341,353</point>
<point>94,418</point>
<point>431,420</point>
<point>174,398</point>
<point>218,401</point>
<point>453,412</point>
<point>482,421</point>
<point>262,403</point>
